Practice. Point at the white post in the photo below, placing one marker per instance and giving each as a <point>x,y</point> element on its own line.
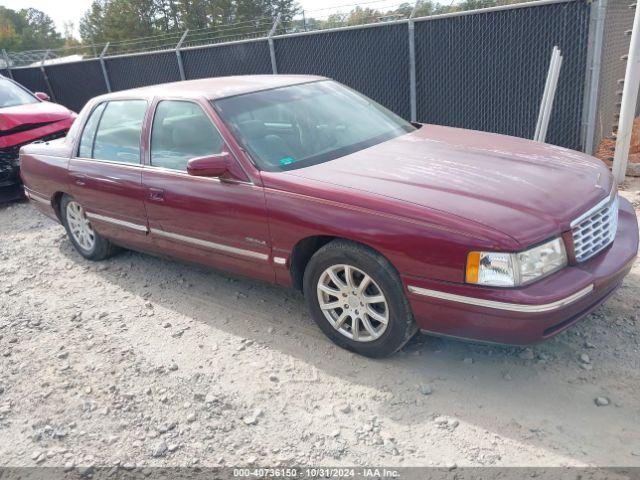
<point>629,99</point>
<point>7,62</point>
<point>552,96</point>
<point>105,75</point>
<point>46,77</point>
<point>548,96</point>
<point>272,50</point>
<point>179,55</point>
<point>412,65</point>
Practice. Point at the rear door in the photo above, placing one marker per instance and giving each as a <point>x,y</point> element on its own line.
<point>220,222</point>
<point>106,173</point>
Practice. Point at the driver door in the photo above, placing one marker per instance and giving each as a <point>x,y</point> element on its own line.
<point>222,223</point>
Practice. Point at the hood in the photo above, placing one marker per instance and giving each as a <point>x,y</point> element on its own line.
<point>21,117</point>
<point>527,190</point>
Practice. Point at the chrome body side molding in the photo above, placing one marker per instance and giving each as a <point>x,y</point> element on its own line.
<point>120,223</point>
<point>512,307</point>
<point>37,198</point>
<point>211,245</point>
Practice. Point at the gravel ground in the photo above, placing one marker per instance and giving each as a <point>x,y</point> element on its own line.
<point>145,361</point>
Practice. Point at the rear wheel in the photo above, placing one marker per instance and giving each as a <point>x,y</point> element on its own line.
<point>356,298</point>
<point>89,243</point>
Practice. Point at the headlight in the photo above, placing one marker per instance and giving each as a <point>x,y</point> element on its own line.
<point>498,269</point>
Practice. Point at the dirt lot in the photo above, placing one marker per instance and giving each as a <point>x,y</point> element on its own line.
<point>145,361</point>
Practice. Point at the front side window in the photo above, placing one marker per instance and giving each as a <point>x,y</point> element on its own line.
<point>301,125</point>
<point>182,131</point>
<point>118,134</point>
<point>12,95</point>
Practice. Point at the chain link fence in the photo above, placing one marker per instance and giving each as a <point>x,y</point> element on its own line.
<point>241,58</point>
<point>487,71</point>
<point>72,84</point>
<point>138,70</point>
<point>372,60</point>
<point>616,25</point>
<point>483,70</point>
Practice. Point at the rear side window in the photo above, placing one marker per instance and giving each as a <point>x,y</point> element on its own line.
<point>113,132</point>
<point>182,131</point>
<point>89,132</point>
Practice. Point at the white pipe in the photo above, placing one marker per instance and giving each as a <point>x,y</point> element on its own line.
<point>551,98</point>
<point>545,94</point>
<point>629,99</point>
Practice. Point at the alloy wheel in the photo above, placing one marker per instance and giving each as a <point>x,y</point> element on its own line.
<point>80,227</point>
<point>353,303</point>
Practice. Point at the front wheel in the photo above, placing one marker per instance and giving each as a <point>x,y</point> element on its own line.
<point>89,243</point>
<point>356,298</point>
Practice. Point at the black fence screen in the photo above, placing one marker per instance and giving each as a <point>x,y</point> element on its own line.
<point>32,78</point>
<point>73,84</point>
<point>133,71</point>
<point>484,70</point>
<point>374,61</point>
<point>244,58</point>
<point>487,71</point>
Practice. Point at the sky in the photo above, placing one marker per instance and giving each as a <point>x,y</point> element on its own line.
<point>72,10</point>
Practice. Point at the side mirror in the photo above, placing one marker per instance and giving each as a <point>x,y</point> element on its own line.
<point>42,96</point>
<point>209,166</point>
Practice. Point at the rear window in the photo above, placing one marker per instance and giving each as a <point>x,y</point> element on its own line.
<point>89,132</point>
<point>113,132</point>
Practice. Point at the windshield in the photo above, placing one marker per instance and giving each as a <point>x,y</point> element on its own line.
<point>301,125</point>
<point>12,95</point>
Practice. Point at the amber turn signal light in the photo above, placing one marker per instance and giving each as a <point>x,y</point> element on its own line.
<point>473,267</point>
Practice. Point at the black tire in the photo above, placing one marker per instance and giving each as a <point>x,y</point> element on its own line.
<point>102,248</point>
<point>401,325</point>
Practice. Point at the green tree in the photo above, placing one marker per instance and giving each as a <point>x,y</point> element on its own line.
<point>252,14</point>
<point>71,43</point>
<point>27,29</point>
<point>39,30</point>
<point>92,24</point>
<point>360,16</point>
<point>334,20</point>
<point>476,4</point>
<point>287,9</point>
<point>9,37</point>
<point>117,20</point>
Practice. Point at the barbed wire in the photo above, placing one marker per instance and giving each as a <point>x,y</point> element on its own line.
<point>377,11</point>
<point>353,6</point>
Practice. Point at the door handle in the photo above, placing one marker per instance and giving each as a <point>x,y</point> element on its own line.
<point>79,179</point>
<point>156,194</point>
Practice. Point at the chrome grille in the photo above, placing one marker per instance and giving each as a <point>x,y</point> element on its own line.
<point>596,230</point>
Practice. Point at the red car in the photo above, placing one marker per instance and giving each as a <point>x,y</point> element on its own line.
<point>387,227</point>
<point>25,118</point>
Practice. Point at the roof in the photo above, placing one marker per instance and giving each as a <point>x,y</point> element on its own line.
<point>218,87</point>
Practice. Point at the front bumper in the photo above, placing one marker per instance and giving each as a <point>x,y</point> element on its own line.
<point>533,313</point>
<point>10,185</point>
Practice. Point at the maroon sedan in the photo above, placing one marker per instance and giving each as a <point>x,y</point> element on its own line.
<point>387,227</point>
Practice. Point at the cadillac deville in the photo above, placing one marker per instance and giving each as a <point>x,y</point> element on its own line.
<point>387,227</point>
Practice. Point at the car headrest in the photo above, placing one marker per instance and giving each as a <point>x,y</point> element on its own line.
<point>186,134</point>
